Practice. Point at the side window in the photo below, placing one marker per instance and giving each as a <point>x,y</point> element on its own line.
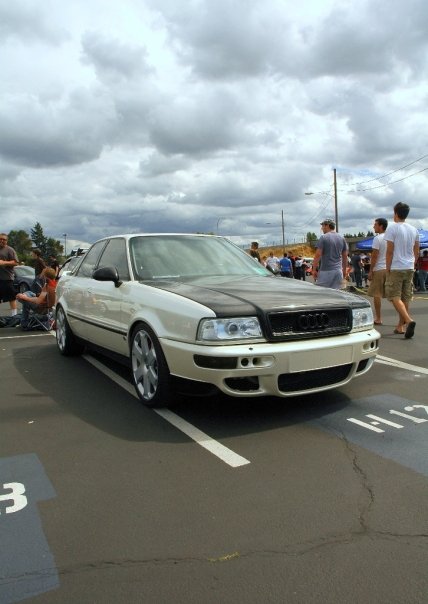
<point>115,255</point>
<point>90,260</point>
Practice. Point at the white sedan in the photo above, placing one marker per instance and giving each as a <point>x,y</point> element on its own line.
<point>196,309</point>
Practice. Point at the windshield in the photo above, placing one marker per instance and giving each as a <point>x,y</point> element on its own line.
<point>189,256</point>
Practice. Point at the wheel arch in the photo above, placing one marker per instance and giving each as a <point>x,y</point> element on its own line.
<point>164,392</point>
<point>143,321</point>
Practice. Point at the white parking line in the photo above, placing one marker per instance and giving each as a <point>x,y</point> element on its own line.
<point>227,455</point>
<point>205,441</point>
<point>400,364</point>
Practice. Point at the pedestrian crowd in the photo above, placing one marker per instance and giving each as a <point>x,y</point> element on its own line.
<point>290,265</point>
<point>36,299</point>
<point>393,270</point>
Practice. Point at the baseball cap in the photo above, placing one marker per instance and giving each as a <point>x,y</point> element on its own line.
<point>328,222</point>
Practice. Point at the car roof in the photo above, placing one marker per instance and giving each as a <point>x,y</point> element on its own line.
<point>130,235</point>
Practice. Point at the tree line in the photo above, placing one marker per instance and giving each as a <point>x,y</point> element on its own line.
<point>313,237</point>
<point>23,242</point>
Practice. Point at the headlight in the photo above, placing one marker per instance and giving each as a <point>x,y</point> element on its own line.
<point>362,318</point>
<point>229,329</point>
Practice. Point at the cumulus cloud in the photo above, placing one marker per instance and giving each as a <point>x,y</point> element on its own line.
<point>36,135</point>
<point>23,21</point>
<point>112,59</point>
<point>208,116</point>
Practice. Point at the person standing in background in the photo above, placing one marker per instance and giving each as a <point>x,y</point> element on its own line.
<point>254,251</point>
<point>298,270</point>
<point>366,269</point>
<point>286,268</point>
<point>53,263</point>
<point>273,263</point>
<point>357,268</point>
<point>377,273</point>
<point>331,258</point>
<point>422,267</point>
<point>39,265</point>
<point>402,252</point>
<point>8,260</point>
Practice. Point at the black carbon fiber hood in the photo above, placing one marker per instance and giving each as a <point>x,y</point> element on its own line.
<point>232,295</point>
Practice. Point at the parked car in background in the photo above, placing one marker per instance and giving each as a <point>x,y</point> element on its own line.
<point>24,277</point>
<point>78,251</point>
<point>196,309</point>
<point>69,265</point>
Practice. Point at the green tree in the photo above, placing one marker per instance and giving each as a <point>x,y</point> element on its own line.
<point>370,234</point>
<point>39,239</point>
<point>47,245</point>
<point>54,248</point>
<point>21,243</point>
<point>311,237</point>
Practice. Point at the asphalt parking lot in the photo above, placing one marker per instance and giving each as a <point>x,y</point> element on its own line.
<point>314,499</point>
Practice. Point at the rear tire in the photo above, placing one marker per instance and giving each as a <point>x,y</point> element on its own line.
<point>150,371</point>
<point>67,342</point>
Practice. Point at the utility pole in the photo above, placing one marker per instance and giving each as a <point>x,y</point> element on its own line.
<point>283,231</point>
<point>218,222</point>
<point>336,217</point>
<point>336,213</point>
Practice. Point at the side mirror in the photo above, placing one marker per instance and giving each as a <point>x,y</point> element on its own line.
<point>107,273</point>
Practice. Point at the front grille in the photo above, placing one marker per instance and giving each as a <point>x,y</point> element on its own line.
<point>317,378</point>
<point>301,324</point>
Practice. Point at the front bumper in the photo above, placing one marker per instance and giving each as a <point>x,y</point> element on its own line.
<point>278,369</point>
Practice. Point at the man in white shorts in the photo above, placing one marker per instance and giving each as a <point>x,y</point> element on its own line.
<point>402,252</point>
<point>377,273</point>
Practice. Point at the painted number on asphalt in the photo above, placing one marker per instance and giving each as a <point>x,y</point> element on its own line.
<point>376,420</point>
<point>16,497</point>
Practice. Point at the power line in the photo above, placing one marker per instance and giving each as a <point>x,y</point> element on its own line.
<point>388,183</point>
<point>310,220</point>
<point>318,213</point>
<point>379,178</point>
<point>389,173</point>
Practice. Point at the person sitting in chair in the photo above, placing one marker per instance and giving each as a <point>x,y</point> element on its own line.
<point>41,303</point>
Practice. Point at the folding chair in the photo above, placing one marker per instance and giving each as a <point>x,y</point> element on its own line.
<point>42,317</point>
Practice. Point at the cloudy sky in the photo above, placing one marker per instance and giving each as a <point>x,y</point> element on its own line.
<point>211,115</point>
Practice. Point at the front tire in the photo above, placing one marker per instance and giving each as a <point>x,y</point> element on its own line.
<point>150,371</point>
<point>67,342</point>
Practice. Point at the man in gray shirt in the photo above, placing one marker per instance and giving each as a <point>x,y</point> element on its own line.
<point>331,258</point>
<point>8,259</point>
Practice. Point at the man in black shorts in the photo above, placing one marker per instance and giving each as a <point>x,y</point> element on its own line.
<point>8,259</point>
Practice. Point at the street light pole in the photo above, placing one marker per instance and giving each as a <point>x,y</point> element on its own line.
<point>65,244</point>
